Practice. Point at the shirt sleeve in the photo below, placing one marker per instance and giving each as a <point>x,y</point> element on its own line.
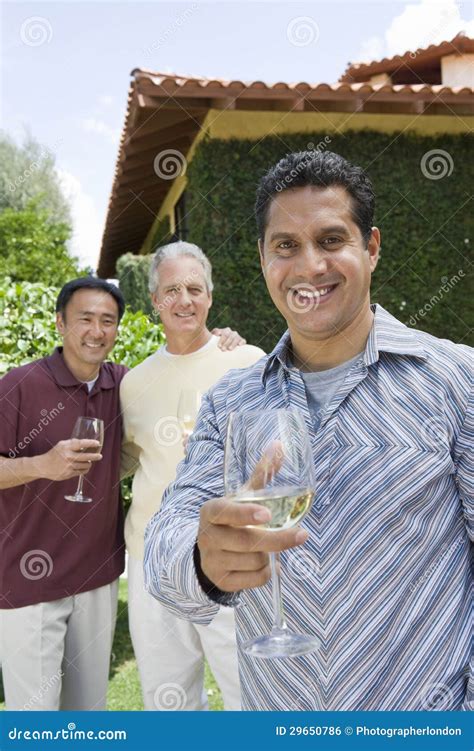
<point>10,410</point>
<point>464,465</point>
<point>170,572</point>
<point>130,452</point>
<point>464,461</point>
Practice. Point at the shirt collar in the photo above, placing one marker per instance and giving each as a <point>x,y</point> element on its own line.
<point>63,376</point>
<point>386,335</point>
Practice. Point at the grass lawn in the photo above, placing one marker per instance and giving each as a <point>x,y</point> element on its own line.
<point>124,685</point>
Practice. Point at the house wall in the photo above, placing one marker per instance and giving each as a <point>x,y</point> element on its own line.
<point>227,124</point>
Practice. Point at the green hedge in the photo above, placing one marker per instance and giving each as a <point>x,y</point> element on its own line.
<point>425,223</point>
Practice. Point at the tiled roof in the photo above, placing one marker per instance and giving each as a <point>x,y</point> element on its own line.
<point>459,45</point>
<point>165,112</point>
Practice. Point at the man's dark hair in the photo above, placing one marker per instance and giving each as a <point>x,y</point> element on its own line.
<point>88,282</point>
<point>321,169</point>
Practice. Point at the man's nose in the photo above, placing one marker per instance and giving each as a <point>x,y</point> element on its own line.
<point>311,261</point>
<point>184,298</point>
<point>96,328</point>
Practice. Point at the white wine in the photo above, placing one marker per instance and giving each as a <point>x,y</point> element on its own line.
<point>187,426</point>
<point>287,504</point>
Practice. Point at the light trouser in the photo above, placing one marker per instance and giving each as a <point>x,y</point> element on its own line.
<point>56,655</point>
<point>170,651</point>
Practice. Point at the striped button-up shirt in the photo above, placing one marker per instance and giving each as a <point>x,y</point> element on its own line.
<point>384,580</point>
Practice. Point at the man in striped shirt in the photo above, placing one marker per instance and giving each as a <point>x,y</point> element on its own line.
<point>380,570</point>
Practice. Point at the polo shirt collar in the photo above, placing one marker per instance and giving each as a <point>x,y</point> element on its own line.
<point>386,335</point>
<point>63,376</point>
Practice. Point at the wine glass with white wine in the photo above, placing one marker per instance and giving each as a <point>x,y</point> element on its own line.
<point>189,405</point>
<point>91,428</point>
<point>268,461</point>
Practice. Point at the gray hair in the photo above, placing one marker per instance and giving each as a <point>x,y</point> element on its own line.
<point>179,249</point>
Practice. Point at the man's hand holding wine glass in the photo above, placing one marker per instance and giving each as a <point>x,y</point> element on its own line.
<point>69,458</point>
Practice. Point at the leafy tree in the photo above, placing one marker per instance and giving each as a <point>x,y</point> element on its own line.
<point>33,247</point>
<point>28,172</point>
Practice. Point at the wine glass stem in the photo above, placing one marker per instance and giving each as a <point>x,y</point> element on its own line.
<point>79,485</point>
<point>279,622</point>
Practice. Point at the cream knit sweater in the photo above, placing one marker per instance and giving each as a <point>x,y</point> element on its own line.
<point>152,442</point>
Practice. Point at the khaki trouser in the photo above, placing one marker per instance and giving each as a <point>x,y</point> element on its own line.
<point>170,652</point>
<point>56,655</point>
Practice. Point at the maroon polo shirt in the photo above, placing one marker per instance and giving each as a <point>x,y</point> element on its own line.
<point>49,547</point>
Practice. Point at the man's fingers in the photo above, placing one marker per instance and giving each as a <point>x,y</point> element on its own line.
<point>242,561</point>
<point>226,512</point>
<point>235,581</point>
<point>83,444</point>
<point>268,466</point>
<point>244,540</point>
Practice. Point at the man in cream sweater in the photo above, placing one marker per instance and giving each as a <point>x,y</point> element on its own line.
<point>170,652</point>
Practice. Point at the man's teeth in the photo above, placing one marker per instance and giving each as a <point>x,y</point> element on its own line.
<point>184,315</point>
<point>315,294</point>
<point>95,346</point>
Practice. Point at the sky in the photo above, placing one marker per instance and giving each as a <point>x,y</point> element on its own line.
<point>66,66</point>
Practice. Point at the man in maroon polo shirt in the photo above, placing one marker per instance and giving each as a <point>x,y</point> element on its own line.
<point>59,560</point>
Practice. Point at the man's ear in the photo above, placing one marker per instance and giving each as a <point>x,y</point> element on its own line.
<point>260,251</point>
<point>60,324</point>
<point>210,299</point>
<point>373,247</point>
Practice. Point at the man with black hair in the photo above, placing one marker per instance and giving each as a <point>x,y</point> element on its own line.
<point>384,579</point>
<point>60,561</point>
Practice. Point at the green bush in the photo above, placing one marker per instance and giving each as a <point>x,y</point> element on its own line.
<point>33,246</point>
<point>425,225</point>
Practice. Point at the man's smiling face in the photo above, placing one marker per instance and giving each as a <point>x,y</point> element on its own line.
<point>316,264</point>
<point>182,298</point>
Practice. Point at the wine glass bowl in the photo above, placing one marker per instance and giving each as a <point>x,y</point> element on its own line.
<point>268,461</point>
<point>91,428</point>
<point>188,407</point>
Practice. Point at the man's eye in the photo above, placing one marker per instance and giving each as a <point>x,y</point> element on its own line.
<point>331,241</point>
<point>285,245</point>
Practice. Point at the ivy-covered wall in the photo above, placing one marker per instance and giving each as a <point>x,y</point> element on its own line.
<point>424,275</point>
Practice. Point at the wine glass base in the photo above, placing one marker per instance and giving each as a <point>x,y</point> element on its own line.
<point>281,644</point>
<point>78,498</point>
